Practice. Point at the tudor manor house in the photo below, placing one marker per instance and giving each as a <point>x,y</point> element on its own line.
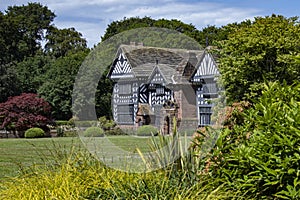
<point>157,85</point>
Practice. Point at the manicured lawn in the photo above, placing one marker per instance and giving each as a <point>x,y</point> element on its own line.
<point>130,144</point>
<point>16,153</point>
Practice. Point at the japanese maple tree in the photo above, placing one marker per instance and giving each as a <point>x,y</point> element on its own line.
<point>19,113</point>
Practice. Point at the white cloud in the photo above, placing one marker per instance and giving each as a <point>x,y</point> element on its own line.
<point>199,14</point>
<point>91,17</point>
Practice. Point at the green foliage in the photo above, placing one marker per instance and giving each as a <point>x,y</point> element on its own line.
<point>126,24</point>
<point>103,95</point>
<point>59,132</point>
<point>31,21</point>
<point>64,41</point>
<point>147,130</point>
<point>110,127</point>
<point>106,124</point>
<point>31,70</point>
<point>23,60</point>
<point>263,50</point>
<point>9,83</point>
<point>234,114</point>
<point>93,132</point>
<point>34,133</point>
<point>260,157</point>
<point>70,133</point>
<point>115,131</point>
<point>86,123</point>
<point>70,123</point>
<point>210,35</point>
<point>65,128</point>
<point>63,123</point>
<point>58,88</point>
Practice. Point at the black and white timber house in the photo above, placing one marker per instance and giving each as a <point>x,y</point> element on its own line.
<point>153,85</point>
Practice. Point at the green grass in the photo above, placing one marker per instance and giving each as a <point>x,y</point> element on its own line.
<point>16,154</point>
<point>130,143</point>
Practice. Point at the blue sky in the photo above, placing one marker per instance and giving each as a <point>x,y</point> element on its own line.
<point>91,17</point>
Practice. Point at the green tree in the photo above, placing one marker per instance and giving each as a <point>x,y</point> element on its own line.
<point>31,70</point>
<point>9,84</point>
<point>63,41</point>
<point>103,96</point>
<point>8,52</point>
<point>136,22</point>
<point>264,50</point>
<point>211,35</point>
<point>126,24</point>
<point>58,88</point>
<point>21,32</point>
<point>31,21</point>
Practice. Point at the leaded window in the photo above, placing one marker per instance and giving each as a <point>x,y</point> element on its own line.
<point>125,89</point>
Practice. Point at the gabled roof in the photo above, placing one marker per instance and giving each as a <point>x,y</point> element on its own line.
<point>206,67</point>
<point>172,63</point>
<point>166,73</point>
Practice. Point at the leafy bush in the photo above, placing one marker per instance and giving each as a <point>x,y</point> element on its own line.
<point>34,133</point>
<point>63,128</point>
<point>115,131</point>
<point>60,132</point>
<point>147,130</point>
<point>19,113</point>
<point>106,124</point>
<point>260,158</point>
<point>70,134</point>
<point>93,132</point>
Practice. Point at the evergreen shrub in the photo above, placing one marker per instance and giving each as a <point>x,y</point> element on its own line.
<point>34,133</point>
<point>93,132</point>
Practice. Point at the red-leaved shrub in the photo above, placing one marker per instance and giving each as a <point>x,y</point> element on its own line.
<point>20,113</point>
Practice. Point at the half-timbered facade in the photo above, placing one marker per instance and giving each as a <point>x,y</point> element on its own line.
<point>154,85</point>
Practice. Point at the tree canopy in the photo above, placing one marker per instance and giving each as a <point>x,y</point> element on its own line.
<point>137,22</point>
<point>58,88</point>
<point>264,50</point>
<point>23,58</point>
<point>30,21</point>
<point>60,42</point>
